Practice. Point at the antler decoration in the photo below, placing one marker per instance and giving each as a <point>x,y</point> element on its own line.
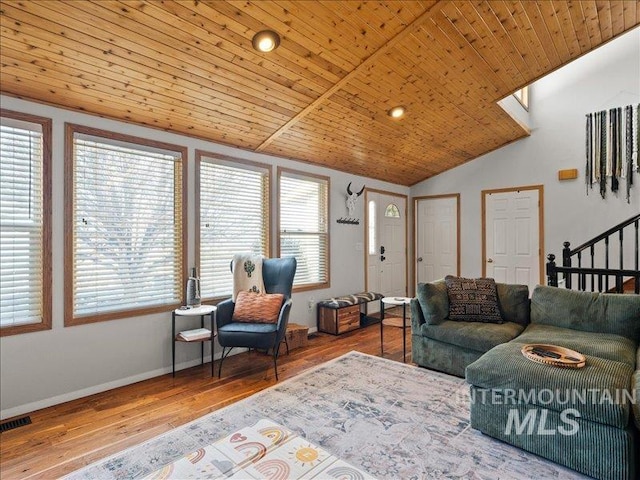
<point>351,199</point>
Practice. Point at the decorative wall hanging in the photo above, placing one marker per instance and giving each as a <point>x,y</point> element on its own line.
<point>352,197</point>
<point>612,143</point>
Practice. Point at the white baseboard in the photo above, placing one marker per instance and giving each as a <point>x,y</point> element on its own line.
<point>85,392</point>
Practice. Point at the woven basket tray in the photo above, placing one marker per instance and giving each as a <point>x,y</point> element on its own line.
<point>554,355</point>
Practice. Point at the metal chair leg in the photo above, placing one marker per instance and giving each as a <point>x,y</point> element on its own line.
<point>287,344</point>
<point>225,354</point>
<point>275,359</point>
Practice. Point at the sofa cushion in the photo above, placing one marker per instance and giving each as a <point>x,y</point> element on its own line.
<point>598,391</point>
<point>514,303</point>
<point>477,336</point>
<point>602,345</point>
<point>590,312</point>
<point>635,387</point>
<point>473,299</point>
<point>433,301</point>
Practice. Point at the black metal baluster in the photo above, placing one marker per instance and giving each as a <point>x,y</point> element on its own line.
<point>592,266</point>
<point>566,262</point>
<point>636,225</point>
<point>606,262</point>
<point>582,278</point>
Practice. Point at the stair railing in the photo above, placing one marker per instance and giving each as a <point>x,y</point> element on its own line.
<point>592,276</point>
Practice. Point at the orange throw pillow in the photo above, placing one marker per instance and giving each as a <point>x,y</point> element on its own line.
<point>254,307</point>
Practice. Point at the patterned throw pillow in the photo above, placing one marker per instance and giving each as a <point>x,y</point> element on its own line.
<point>257,307</point>
<point>473,300</point>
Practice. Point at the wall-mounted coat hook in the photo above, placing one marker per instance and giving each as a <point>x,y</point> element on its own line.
<point>349,221</point>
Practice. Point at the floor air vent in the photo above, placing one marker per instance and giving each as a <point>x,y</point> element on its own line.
<point>11,424</point>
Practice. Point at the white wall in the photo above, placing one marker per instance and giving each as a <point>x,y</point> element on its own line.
<point>44,368</point>
<point>605,78</point>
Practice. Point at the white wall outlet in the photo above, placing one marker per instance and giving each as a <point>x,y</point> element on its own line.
<point>312,303</point>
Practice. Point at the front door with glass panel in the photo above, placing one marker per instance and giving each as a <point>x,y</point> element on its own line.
<point>386,244</point>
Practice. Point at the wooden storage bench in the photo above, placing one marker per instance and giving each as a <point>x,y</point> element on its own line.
<point>342,314</point>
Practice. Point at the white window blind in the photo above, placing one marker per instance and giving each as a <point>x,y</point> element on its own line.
<point>21,223</point>
<point>127,226</point>
<point>304,202</point>
<point>234,218</point>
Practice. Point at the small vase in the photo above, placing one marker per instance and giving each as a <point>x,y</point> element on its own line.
<point>193,289</point>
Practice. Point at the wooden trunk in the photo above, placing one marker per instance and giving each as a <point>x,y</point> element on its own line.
<point>338,320</point>
<point>297,336</point>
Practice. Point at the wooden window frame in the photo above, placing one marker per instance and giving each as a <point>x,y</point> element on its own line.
<point>47,136</point>
<point>199,154</point>
<point>310,286</point>
<point>524,101</point>
<point>69,317</point>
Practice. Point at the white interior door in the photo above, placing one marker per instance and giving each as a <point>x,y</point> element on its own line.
<point>436,238</point>
<point>386,244</point>
<point>512,237</point>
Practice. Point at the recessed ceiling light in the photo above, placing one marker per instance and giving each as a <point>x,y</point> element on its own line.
<point>397,112</point>
<point>266,41</point>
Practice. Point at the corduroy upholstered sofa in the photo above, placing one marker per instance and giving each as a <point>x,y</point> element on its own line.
<point>449,346</point>
<point>582,418</point>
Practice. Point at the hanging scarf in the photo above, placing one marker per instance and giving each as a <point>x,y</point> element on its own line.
<point>636,122</point>
<point>613,149</point>
<point>628,118</point>
<point>603,154</point>
<point>612,141</point>
<point>588,176</point>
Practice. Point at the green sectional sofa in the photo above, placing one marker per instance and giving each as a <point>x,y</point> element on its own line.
<point>582,418</point>
<point>449,346</point>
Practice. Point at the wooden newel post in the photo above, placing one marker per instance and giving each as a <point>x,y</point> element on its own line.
<point>566,262</point>
<point>552,274</point>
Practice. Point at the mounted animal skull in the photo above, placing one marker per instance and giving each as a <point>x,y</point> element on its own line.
<point>351,199</point>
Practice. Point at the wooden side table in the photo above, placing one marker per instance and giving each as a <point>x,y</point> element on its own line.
<point>393,322</point>
<point>201,312</point>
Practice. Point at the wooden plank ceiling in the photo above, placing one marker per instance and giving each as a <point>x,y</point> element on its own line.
<point>322,96</point>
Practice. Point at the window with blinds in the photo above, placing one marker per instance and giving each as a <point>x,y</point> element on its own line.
<point>127,226</point>
<point>233,217</point>
<point>25,197</point>
<point>304,225</point>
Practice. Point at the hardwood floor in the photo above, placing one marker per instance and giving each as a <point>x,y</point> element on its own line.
<point>66,437</point>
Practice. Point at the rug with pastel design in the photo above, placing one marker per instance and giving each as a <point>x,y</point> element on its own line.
<point>364,415</point>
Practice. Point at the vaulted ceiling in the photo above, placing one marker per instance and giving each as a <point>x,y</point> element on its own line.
<point>323,95</point>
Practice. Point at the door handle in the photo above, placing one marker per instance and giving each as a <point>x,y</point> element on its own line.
<point>490,260</point>
<point>382,258</point>
<point>419,259</point>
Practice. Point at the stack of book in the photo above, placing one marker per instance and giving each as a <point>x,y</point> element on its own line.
<point>193,335</point>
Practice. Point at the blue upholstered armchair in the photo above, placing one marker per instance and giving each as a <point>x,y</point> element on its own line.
<point>277,274</point>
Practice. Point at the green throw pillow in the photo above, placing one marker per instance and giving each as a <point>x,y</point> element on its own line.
<point>433,302</point>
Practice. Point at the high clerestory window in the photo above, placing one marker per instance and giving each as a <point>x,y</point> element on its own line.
<point>25,223</point>
<point>304,226</point>
<point>232,216</point>
<point>124,219</point>
<point>522,96</point>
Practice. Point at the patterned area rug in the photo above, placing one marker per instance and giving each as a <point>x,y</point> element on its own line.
<point>390,419</point>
